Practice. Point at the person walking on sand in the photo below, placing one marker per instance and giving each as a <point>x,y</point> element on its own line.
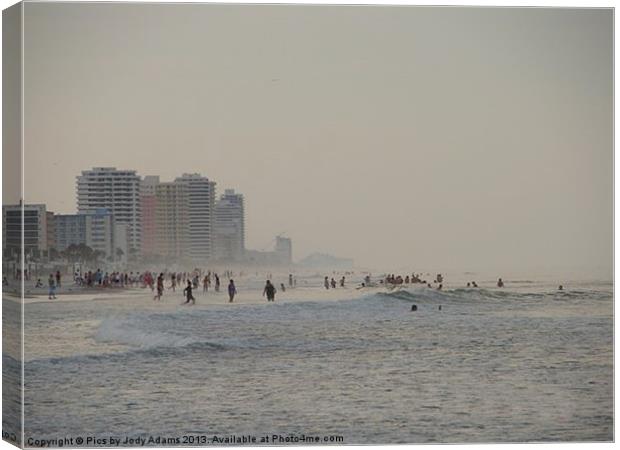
<point>188,293</point>
<point>232,290</point>
<point>269,291</point>
<point>52,286</point>
<point>58,278</point>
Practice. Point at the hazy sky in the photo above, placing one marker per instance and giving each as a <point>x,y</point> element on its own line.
<point>469,138</point>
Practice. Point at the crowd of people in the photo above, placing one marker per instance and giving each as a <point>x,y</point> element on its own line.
<point>157,283</point>
<point>192,281</point>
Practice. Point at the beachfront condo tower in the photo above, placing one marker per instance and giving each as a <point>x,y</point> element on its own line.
<point>200,193</point>
<point>118,191</point>
<point>148,206</point>
<point>229,227</point>
<point>171,221</point>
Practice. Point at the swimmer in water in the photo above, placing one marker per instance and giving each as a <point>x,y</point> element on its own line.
<point>560,288</point>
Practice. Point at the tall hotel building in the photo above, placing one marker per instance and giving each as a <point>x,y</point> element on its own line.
<point>171,220</point>
<point>229,228</point>
<point>116,190</point>
<point>200,194</point>
<point>148,206</point>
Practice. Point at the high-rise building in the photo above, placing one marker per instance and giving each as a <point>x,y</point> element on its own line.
<point>200,211</point>
<point>229,227</point>
<point>148,206</point>
<point>35,231</point>
<point>171,220</point>
<point>118,191</point>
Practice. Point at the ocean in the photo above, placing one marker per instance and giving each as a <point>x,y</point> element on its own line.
<point>519,364</point>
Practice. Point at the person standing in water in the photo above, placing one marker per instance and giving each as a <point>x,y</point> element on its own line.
<point>160,287</point>
<point>342,282</point>
<point>205,284</point>
<point>188,293</point>
<point>326,283</point>
<point>269,291</point>
<point>52,286</point>
<point>232,290</point>
<point>290,280</point>
<point>173,279</point>
<point>500,283</point>
<point>217,283</point>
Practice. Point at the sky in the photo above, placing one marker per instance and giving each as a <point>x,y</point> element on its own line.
<point>420,137</point>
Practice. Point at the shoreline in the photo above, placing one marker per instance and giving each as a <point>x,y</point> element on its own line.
<point>250,296</point>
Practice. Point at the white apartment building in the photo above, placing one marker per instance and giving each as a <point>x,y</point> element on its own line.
<point>116,190</point>
<point>171,220</point>
<point>200,211</point>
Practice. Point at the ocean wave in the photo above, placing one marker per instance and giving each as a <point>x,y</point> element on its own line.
<point>487,295</point>
<point>146,332</point>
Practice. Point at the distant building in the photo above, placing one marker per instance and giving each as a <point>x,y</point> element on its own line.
<point>200,211</point>
<point>148,208</point>
<point>35,231</point>
<point>229,227</point>
<point>284,248</point>
<point>280,256</point>
<point>51,231</point>
<point>118,191</point>
<point>171,220</point>
<point>69,229</point>
<point>97,229</point>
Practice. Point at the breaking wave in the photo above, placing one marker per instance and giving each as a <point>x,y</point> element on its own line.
<point>487,295</point>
